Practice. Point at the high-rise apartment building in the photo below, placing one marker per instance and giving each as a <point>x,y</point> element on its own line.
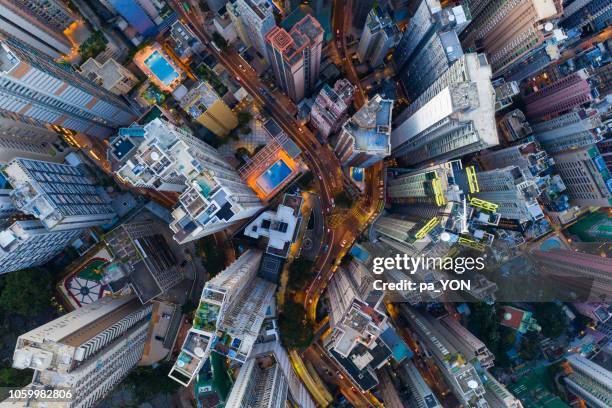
<point>586,176</point>
<point>453,117</point>
<point>140,249</point>
<point>589,274</point>
<point>140,14</point>
<point>61,196</point>
<point>295,56</point>
<point>207,108</point>
<point>498,395</point>
<point>589,381</point>
<point>228,319</point>
<point>421,395</point>
<point>360,11</point>
<point>379,35</point>
<point>87,351</point>
<point>110,75</point>
<point>576,129</point>
<point>513,190</point>
<point>353,321</point>
<point>460,374</point>
<point>429,46</point>
<point>469,345</point>
<point>580,13</point>
<point>29,243</point>
<point>330,108</point>
<point>38,24</point>
<point>532,160</point>
<point>514,126</point>
<point>566,93</point>
<point>365,137</point>
<point>253,20</point>
<point>40,89</point>
<point>165,158</point>
<point>510,31</point>
<point>267,380</point>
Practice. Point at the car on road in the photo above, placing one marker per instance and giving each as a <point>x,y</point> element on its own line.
<point>343,243</point>
<point>320,178</point>
<point>326,248</point>
<point>242,67</point>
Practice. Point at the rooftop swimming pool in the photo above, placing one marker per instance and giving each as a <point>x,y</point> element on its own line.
<point>274,176</point>
<point>161,68</point>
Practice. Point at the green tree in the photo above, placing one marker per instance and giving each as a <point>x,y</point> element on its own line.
<point>342,200</point>
<point>245,130</point>
<point>213,259</point>
<point>530,347</point>
<point>305,181</point>
<point>295,328</point>
<point>14,378</point>
<point>149,381</point>
<point>219,40</point>
<point>300,272</point>
<point>27,292</point>
<point>93,46</point>
<point>244,117</point>
<point>551,317</point>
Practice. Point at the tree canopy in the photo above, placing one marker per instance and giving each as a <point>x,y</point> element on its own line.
<point>300,272</point>
<point>27,292</point>
<point>295,328</point>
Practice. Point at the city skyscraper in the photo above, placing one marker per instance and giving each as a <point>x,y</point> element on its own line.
<point>576,129</point>
<point>38,24</point>
<point>590,275</point>
<point>589,381</point>
<point>330,108</point>
<point>428,46</point>
<point>421,395</point>
<point>229,317</point>
<point>513,190</point>
<point>379,35</point>
<point>207,108</point>
<point>365,137</point>
<point>564,94</point>
<point>594,13</point>
<point>586,176</point>
<point>253,20</point>
<point>87,351</point>
<point>165,158</point>
<point>40,89</point>
<point>61,196</point>
<point>453,117</point>
<point>509,32</point>
<point>295,56</point>
<point>140,14</point>
<point>514,126</point>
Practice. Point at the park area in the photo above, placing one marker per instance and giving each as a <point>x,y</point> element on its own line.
<point>594,227</point>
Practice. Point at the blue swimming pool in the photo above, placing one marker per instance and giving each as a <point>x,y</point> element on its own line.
<point>275,175</point>
<point>161,68</point>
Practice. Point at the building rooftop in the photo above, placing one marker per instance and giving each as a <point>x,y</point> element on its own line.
<point>371,126</point>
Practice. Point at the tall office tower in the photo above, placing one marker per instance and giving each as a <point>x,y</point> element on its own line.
<point>365,137</point>
<point>379,35</point>
<point>420,394</point>
<point>353,321</point>
<point>575,129</point>
<point>228,319</point>
<point>27,138</point>
<point>603,78</point>
<point>140,249</point>
<point>429,46</point>
<point>514,126</point>
<point>588,273</point>
<point>580,13</point>
<point>28,243</point>
<point>400,233</point>
<point>532,160</point>
<point>267,380</point>
<point>330,108</point>
<point>360,11</point>
<point>40,89</point>
<point>140,14</point>
<point>207,108</point>
<point>110,75</point>
<point>61,196</point>
<point>166,158</point>
<point>38,24</point>
<point>586,176</point>
<point>469,345</point>
<point>88,351</point>
<point>460,375</point>
<point>513,190</point>
<point>295,56</point>
<point>504,92</point>
<point>561,96</point>
<point>455,116</point>
<point>589,381</point>
<point>498,395</point>
<point>510,32</point>
<point>253,20</point>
